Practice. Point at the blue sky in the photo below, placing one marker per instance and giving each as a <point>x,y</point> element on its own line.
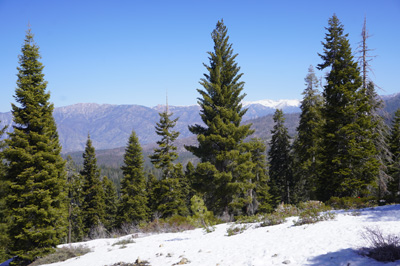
<point>132,52</point>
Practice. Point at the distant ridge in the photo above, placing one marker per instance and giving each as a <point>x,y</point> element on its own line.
<point>110,125</point>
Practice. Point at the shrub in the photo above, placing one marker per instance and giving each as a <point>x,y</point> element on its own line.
<point>273,219</point>
<point>382,247</point>
<point>62,254</point>
<point>313,212</point>
<point>236,229</point>
<point>124,242</point>
<point>201,216</point>
<point>173,224</point>
<point>351,203</point>
<point>287,210</point>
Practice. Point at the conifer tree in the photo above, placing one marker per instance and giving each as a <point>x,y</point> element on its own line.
<point>394,143</point>
<point>172,188</point>
<point>35,177</point>
<point>349,165</point>
<point>3,217</point>
<point>110,202</point>
<point>380,136</point>
<point>280,161</point>
<point>133,205</point>
<point>220,139</point>
<point>151,190</point>
<point>93,208</point>
<point>306,145</point>
<point>75,198</point>
<point>261,198</point>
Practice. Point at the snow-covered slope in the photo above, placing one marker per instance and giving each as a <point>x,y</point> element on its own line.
<point>280,104</point>
<point>335,242</point>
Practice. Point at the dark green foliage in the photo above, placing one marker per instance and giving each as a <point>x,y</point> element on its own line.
<point>3,217</point>
<point>93,208</point>
<point>151,189</point>
<point>349,165</point>
<point>307,144</point>
<point>380,138</point>
<point>394,145</point>
<point>280,162</point>
<point>261,201</point>
<point>133,206</point>
<point>111,202</point>
<point>172,190</point>
<point>346,203</point>
<point>75,198</point>
<point>35,177</point>
<point>220,140</point>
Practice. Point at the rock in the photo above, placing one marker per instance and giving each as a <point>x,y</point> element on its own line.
<point>286,262</point>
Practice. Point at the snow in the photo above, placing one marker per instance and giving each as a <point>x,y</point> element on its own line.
<point>275,104</point>
<point>334,242</point>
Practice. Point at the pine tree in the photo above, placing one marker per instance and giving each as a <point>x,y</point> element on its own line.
<point>35,177</point>
<point>306,145</point>
<point>349,165</point>
<point>151,190</point>
<point>280,161</point>
<point>261,198</point>
<point>172,189</point>
<point>111,202</point>
<point>394,145</point>
<point>75,198</point>
<point>3,217</point>
<point>220,139</point>
<point>133,205</point>
<point>381,133</point>
<point>93,208</point>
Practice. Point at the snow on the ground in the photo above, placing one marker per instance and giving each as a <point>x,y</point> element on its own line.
<point>335,242</point>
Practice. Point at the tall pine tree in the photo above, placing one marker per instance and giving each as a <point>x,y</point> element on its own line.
<point>110,202</point>
<point>172,190</point>
<point>3,217</point>
<point>394,143</point>
<point>133,206</point>
<point>306,145</point>
<point>93,208</point>
<point>349,165</point>
<point>220,140</point>
<point>35,177</point>
<point>280,162</point>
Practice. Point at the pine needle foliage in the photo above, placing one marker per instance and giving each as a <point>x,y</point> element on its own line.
<point>349,165</point>
<point>220,139</point>
<point>133,204</point>
<point>306,146</point>
<point>280,162</point>
<point>93,208</point>
<point>35,177</point>
<point>172,190</point>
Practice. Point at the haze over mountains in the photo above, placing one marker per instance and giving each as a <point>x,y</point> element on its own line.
<point>110,126</point>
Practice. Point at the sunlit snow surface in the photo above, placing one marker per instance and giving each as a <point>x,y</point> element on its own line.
<point>335,242</point>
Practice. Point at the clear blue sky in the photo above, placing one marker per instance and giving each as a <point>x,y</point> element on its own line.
<point>131,52</point>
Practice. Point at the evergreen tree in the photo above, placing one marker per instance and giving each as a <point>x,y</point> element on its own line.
<point>3,217</point>
<point>75,198</point>
<point>111,202</point>
<point>172,188</point>
<point>133,206</point>
<point>280,161</point>
<point>261,198</point>
<point>306,145</point>
<point>220,140</point>
<point>151,190</point>
<point>380,139</point>
<point>394,143</point>
<point>35,177</point>
<point>349,165</point>
<point>93,208</point>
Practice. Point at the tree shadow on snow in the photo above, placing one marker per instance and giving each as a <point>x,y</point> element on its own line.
<point>384,213</point>
<point>343,257</point>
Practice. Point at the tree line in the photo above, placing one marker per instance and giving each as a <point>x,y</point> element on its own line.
<point>342,149</point>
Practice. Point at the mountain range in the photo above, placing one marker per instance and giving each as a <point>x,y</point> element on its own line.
<point>110,126</point>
